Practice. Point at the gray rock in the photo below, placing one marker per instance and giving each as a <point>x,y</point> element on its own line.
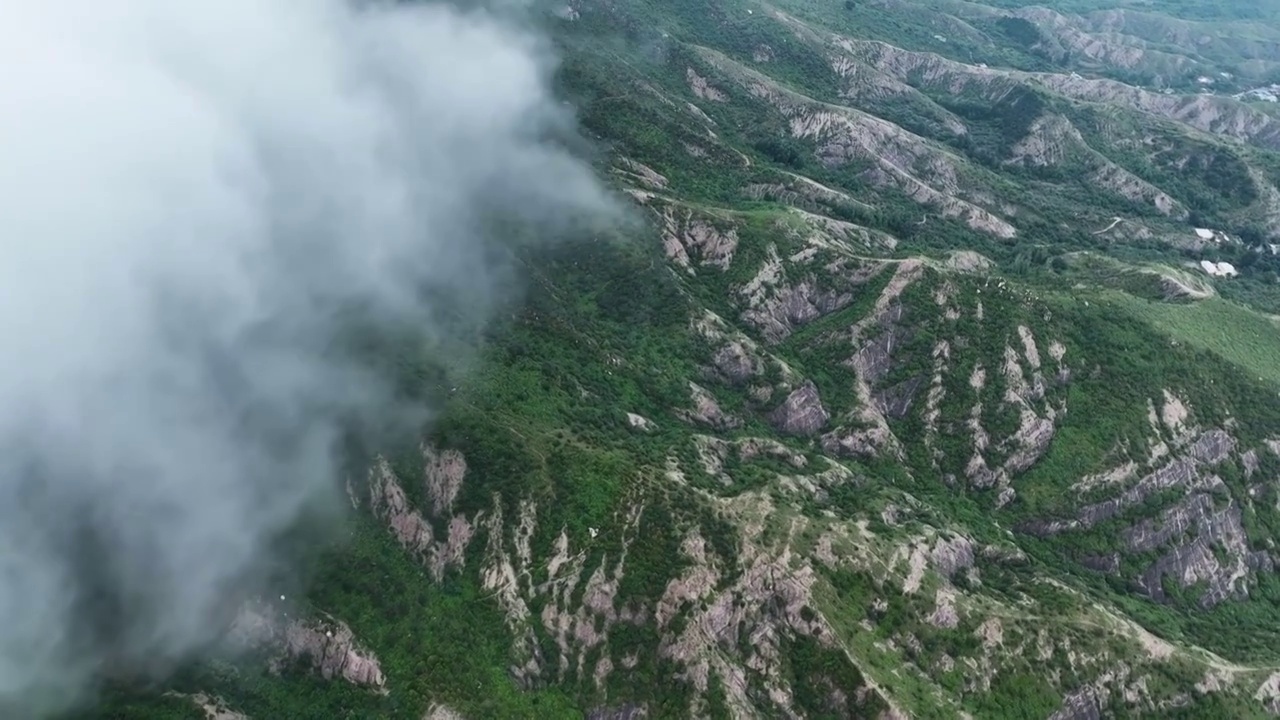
<point>622,712</point>
<point>1108,564</point>
<point>735,364</point>
<point>864,443</point>
<point>1250,463</point>
<point>1081,704</point>
<point>801,413</point>
<point>895,402</point>
<point>1213,446</point>
<point>874,359</point>
<point>951,556</point>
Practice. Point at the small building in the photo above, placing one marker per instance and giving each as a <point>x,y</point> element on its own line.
<point>1221,269</point>
<point>1204,233</point>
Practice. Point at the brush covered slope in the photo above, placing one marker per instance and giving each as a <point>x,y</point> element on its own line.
<point>921,393</point>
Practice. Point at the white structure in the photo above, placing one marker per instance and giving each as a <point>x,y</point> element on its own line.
<point>1204,233</point>
<point>1221,269</point>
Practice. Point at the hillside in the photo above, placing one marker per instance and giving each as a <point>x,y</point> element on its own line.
<point>906,394</point>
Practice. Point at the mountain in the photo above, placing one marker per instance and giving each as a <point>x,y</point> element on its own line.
<point>918,390</point>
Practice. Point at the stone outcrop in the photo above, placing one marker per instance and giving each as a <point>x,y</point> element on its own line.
<point>857,443</point>
<point>443,476</point>
<point>706,411</point>
<point>801,413</point>
<point>1083,704</point>
<point>791,306</point>
<point>326,643</point>
<point>1218,555</point>
<point>950,556</point>
<point>689,238</point>
<point>735,363</point>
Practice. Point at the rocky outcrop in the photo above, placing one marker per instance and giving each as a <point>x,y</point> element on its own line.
<point>622,712</point>
<point>703,89</point>
<point>791,306</point>
<point>332,649</point>
<point>944,612</point>
<point>1027,394</point>
<point>444,473</point>
<point>1208,113</point>
<point>735,363</point>
<point>895,402</point>
<point>213,707</point>
<point>950,556</point>
<point>436,711</point>
<point>801,413</point>
<point>857,443</point>
<point>327,644</point>
<point>1218,555</point>
<point>1083,704</point>
<point>689,238</point>
<point>641,174</point>
<point>706,411</point>
<point>924,171</point>
<point>968,261</point>
<point>1268,694</point>
<point>1197,539</point>
<point>639,422</point>
<point>747,617</point>
<point>387,499</point>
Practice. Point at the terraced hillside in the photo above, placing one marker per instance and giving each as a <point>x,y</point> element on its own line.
<point>907,394</point>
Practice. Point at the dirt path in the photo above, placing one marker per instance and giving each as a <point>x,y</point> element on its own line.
<point>1114,222</point>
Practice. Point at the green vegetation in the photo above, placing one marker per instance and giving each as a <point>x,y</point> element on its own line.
<point>707,568</point>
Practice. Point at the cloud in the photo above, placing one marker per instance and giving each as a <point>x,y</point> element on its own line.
<point>193,196</point>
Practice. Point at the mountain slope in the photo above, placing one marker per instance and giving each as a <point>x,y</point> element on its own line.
<point>907,397</point>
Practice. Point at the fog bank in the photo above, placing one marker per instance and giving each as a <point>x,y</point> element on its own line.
<point>191,194</point>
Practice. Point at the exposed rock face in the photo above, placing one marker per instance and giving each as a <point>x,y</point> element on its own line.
<point>333,652</point>
<point>925,172</point>
<point>328,644</point>
<point>736,364</point>
<point>944,613</point>
<point>951,556</point>
<point>1082,704</point>
<point>1027,394</point>
<point>1198,538</point>
<point>622,712</point>
<point>642,174</point>
<point>389,503</point>
<point>968,261</point>
<point>895,402</point>
<point>1268,693</point>
<point>706,410</point>
<point>1053,140</point>
<point>859,443</point>
<point>768,602</point>
<point>1249,461</point>
<point>791,306</point>
<point>639,422</point>
<point>444,473</point>
<point>704,89</point>
<point>1202,112</point>
<point>1196,560</point>
<point>801,413</point>
<point>688,237</point>
<point>437,711</point>
<point>1213,447</point>
<point>214,708</point>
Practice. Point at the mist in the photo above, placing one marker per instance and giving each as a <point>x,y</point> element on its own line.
<point>196,199</point>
